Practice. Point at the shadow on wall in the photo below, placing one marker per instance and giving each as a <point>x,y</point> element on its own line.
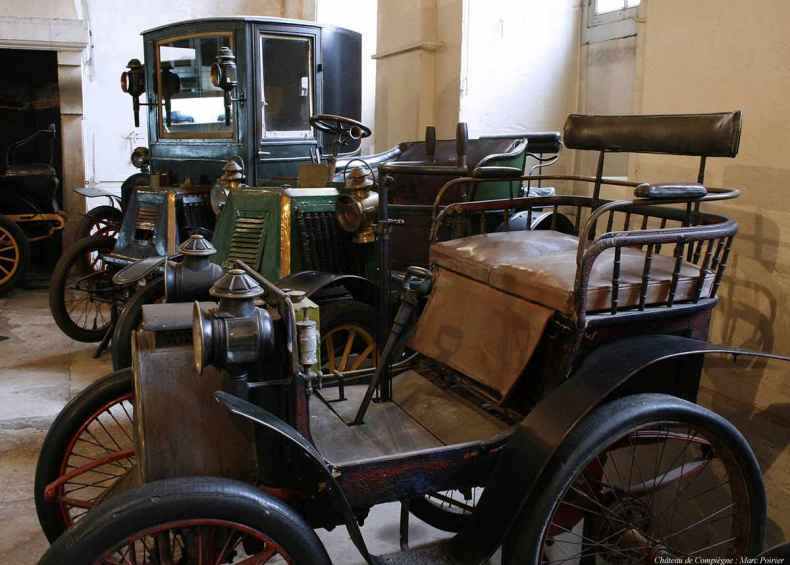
<point>755,393</point>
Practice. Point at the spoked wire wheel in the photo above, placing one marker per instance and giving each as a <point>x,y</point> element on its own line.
<point>81,292</point>
<point>88,454</point>
<point>446,510</point>
<point>99,455</point>
<point>676,482</point>
<point>190,521</point>
<point>197,542</point>
<point>101,221</point>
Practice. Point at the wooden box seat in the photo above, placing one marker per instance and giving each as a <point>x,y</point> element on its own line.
<point>540,266</point>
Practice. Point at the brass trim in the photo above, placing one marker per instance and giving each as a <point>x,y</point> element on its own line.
<point>58,222</point>
<point>285,235</point>
<point>139,435</point>
<point>160,120</point>
<point>171,223</point>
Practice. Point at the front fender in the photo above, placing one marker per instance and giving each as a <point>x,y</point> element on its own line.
<point>313,282</point>
<point>273,424</point>
<point>517,473</point>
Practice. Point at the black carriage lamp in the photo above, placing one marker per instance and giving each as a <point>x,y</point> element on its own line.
<point>133,83</point>
<point>224,75</point>
<point>237,333</point>
<point>188,279</point>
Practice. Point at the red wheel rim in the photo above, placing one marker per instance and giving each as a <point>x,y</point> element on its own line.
<point>99,455</point>
<point>197,542</point>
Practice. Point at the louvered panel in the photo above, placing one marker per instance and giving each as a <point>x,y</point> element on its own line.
<point>245,243</point>
<point>147,216</point>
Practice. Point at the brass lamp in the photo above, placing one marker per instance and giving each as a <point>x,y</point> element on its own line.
<point>357,206</point>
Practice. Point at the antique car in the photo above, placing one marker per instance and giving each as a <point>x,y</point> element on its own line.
<point>321,241</point>
<point>250,86</point>
<point>29,207</point>
<point>548,407</point>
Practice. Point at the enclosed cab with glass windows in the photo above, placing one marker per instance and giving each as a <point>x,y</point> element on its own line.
<point>243,88</point>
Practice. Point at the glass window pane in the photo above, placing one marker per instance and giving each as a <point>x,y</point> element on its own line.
<point>606,6</point>
<point>287,86</point>
<point>190,106</point>
<point>632,3</point>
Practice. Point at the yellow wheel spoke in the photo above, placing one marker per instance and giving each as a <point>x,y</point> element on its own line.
<point>362,357</point>
<point>330,349</point>
<point>347,350</point>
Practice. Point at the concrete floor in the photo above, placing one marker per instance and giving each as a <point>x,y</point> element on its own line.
<point>40,370</point>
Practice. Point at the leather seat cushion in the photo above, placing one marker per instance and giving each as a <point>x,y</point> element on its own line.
<point>540,266</point>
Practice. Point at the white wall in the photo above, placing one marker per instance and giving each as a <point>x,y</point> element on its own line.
<point>519,64</point>
<point>360,16</point>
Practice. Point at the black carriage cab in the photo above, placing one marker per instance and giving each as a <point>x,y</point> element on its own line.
<point>241,87</point>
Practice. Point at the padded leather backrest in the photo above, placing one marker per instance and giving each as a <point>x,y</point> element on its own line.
<point>711,135</point>
<point>477,149</point>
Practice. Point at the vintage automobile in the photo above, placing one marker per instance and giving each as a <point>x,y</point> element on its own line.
<point>250,86</point>
<point>321,241</point>
<point>29,207</point>
<point>548,409</point>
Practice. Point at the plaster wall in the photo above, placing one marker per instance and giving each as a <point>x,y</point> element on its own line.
<point>520,65</point>
<point>359,15</point>
<point>698,57</point>
<point>417,69</point>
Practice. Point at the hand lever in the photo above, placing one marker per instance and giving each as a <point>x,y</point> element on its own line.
<point>430,143</point>
<point>461,139</point>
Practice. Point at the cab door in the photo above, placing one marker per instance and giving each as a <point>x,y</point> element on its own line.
<point>287,93</point>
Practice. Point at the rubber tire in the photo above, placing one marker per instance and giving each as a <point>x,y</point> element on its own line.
<point>602,427</point>
<point>24,253</point>
<point>67,423</point>
<point>57,285</point>
<point>119,518</point>
<point>129,319</point>
<point>105,212</point>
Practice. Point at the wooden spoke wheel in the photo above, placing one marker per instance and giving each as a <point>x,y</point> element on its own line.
<point>87,454</point>
<point>347,337</point>
<point>644,479</point>
<point>14,254</point>
<point>348,347</point>
<point>82,294</point>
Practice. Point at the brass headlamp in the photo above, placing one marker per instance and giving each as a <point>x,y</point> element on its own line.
<point>232,179</point>
<point>133,83</point>
<point>357,207</point>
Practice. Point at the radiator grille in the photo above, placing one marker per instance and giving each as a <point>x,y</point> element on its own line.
<point>325,247</point>
<point>147,216</point>
<point>245,243</point>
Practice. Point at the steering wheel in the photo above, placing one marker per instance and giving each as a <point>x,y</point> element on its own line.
<point>344,128</point>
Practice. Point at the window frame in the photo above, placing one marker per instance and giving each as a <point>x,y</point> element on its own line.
<point>311,66</point>
<point>617,24</point>
<point>230,133</point>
